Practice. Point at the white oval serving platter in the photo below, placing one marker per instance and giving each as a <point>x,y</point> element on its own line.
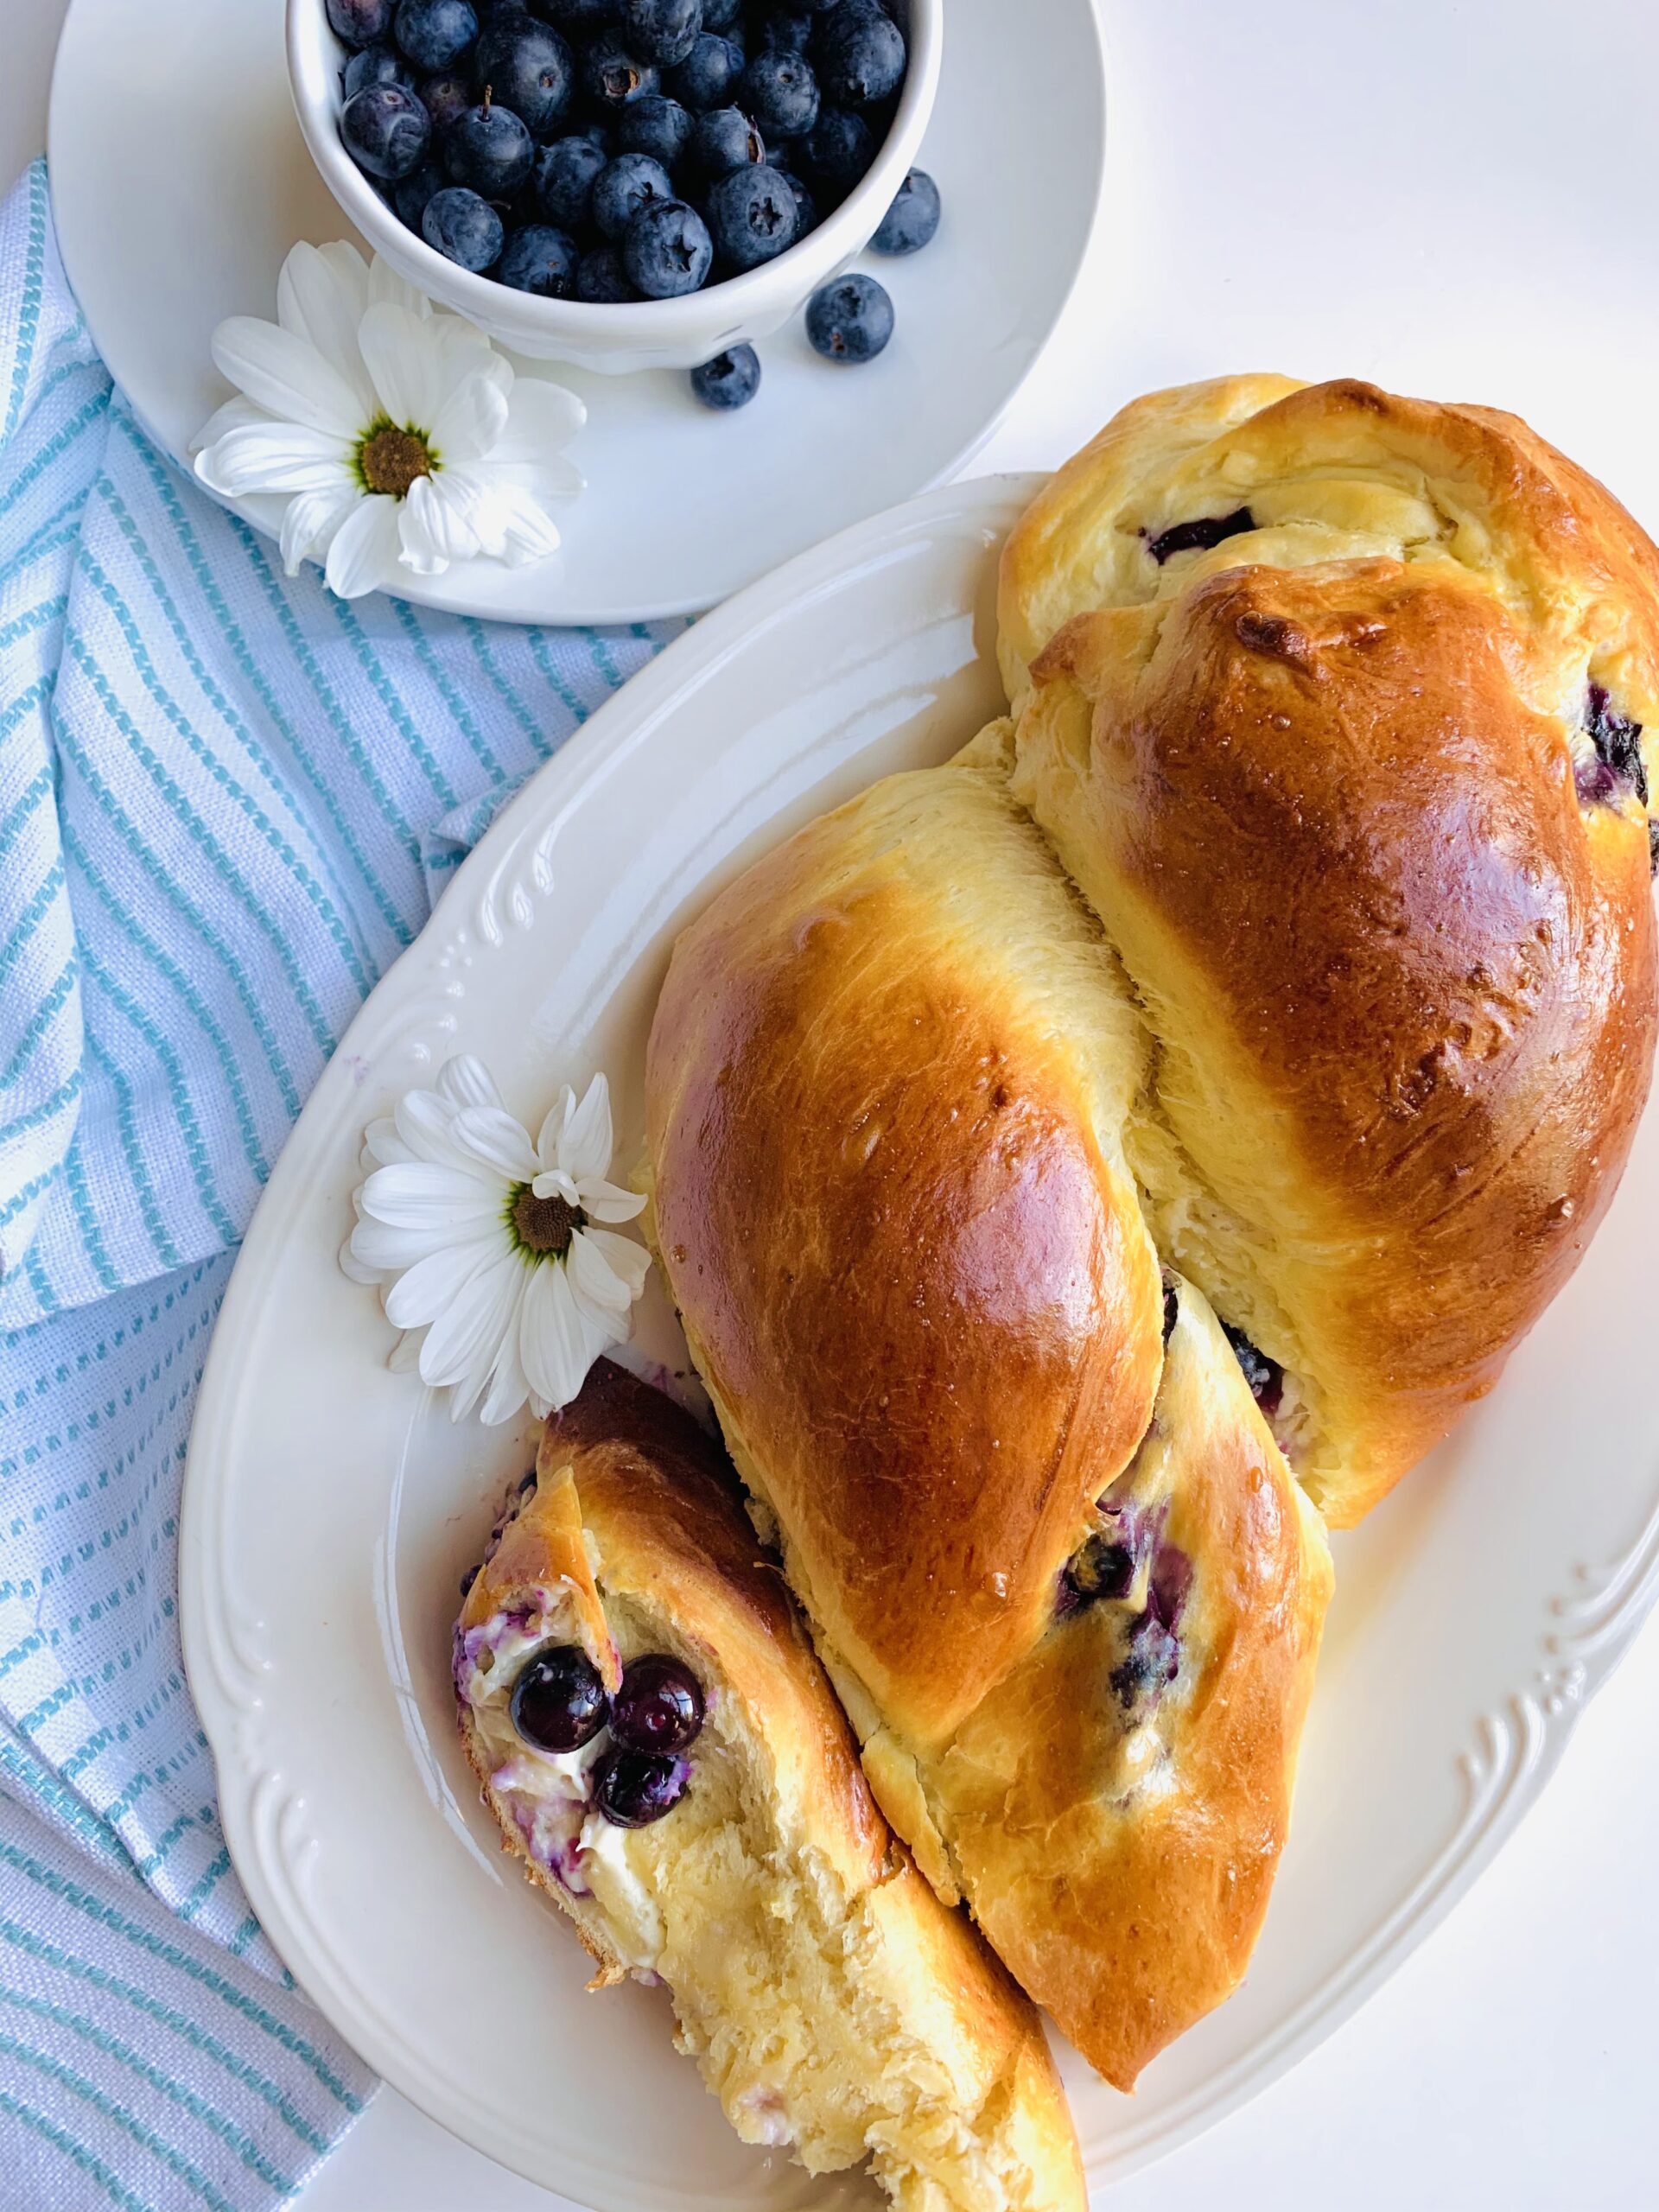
<point>178,189</point>
<point>330,1504</point>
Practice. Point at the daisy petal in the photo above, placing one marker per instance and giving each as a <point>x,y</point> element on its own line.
<point>286,376</point>
<point>405,1357</point>
<point>433,528</point>
<point>554,1183</point>
<point>472,416</point>
<point>625,1259</point>
<point>352,1266</point>
<point>541,417</point>
<point>311,522</point>
<point>384,284</point>
<point>490,1135</point>
<point>321,296</point>
<point>364,555</point>
<point>387,1247</point>
<point>512,525</point>
<point>552,1343</point>
<point>417,364</point>
<point>383,1144</point>
<point>509,1388</point>
<point>423,1291</point>
<point>238,414</point>
<point>277,457</point>
<point>554,476</point>
<point>600,1291</point>
<point>584,1142</point>
<point>462,1344</point>
<point>420,1193</point>
<point>603,1201</point>
<point>465,1081</point>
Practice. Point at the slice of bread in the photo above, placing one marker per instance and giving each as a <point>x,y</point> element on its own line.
<point>833,2004</point>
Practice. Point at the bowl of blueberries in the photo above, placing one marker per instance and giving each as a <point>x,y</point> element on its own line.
<point>630,184</point>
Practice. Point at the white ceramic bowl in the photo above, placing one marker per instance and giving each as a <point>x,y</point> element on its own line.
<point>643,333</point>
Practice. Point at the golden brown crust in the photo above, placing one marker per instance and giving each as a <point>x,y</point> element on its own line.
<point>916,1283</point>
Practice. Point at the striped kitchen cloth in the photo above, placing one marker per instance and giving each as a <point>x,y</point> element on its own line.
<point>227,802</point>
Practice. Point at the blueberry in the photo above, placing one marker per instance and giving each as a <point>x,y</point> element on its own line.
<point>1653,845</point>
<point>359,22</point>
<point>806,206</point>
<point>375,65</point>
<point>1618,740</point>
<point>723,140</point>
<point>720,15</point>
<point>657,126</point>
<point>658,1708</point>
<point>850,319</point>
<point>463,226</point>
<point>781,94</point>
<point>1151,1663</point>
<point>612,76</point>
<point>1102,1567</point>
<point>436,33</point>
<point>666,250</point>
<point>623,188</point>
<point>1172,1308</point>
<point>860,56</point>
<point>1198,536</point>
<point>602,279</point>
<point>562,180</point>
<point>575,17</point>
<point>489,149</point>
<point>663,31</point>
<point>468,1579</point>
<point>446,98</point>
<point>1265,1377</point>
<point>836,152</point>
<point>410,193</point>
<point>636,1788</point>
<point>753,217</point>
<point>730,380</point>
<point>558,1702</point>
<point>387,130</point>
<point>530,69</point>
<point>785,31</point>
<point>912,219</point>
<point>708,75</point>
<point>597,134</point>
<point>540,259</point>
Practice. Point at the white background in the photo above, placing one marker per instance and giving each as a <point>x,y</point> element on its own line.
<point>1456,198</point>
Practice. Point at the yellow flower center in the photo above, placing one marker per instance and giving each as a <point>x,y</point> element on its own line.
<point>543,1228</point>
<point>391,459</point>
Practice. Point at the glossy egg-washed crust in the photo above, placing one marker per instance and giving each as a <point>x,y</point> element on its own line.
<point>659,1500</point>
<point>886,1084</point>
<point>1317,782</point>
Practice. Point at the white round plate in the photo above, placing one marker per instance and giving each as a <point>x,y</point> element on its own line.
<point>179,181</point>
<point>330,1505</point>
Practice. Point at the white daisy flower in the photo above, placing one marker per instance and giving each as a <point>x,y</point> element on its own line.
<point>494,1245</point>
<point>400,438</point>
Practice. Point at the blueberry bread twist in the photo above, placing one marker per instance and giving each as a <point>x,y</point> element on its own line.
<point>1075,1163</point>
<point>662,1751</point>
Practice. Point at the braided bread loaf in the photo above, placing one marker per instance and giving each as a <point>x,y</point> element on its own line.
<point>1198,1083</point>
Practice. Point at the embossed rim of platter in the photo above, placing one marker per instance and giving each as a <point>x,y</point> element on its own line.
<point>1557,1633</point>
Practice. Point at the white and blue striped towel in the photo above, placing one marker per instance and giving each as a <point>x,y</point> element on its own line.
<point>226,803</point>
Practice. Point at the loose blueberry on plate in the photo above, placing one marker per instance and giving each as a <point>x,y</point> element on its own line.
<point>781,93</point>
<point>602,279</point>
<point>385,131</point>
<point>446,98</point>
<point>910,221</point>
<point>658,1707</point>
<point>558,1702</point>
<point>835,153</point>
<point>723,140</point>
<point>411,194</point>
<point>612,76</point>
<point>464,227</point>
<point>752,217</point>
<point>359,22</point>
<point>375,65</point>
<point>657,126</point>
<point>859,56</point>
<point>436,33</point>
<point>663,31</point>
<point>623,188</point>
<point>489,149</point>
<point>667,250</point>
<point>636,1788</point>
<point>562,178</point>
<point>708,75</point>
<point>849,320</point>
<point>730,380</point>
<point>528,68</point>
<point>540,259</point>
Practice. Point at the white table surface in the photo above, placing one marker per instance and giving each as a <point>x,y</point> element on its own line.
<point>1457,198</point>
